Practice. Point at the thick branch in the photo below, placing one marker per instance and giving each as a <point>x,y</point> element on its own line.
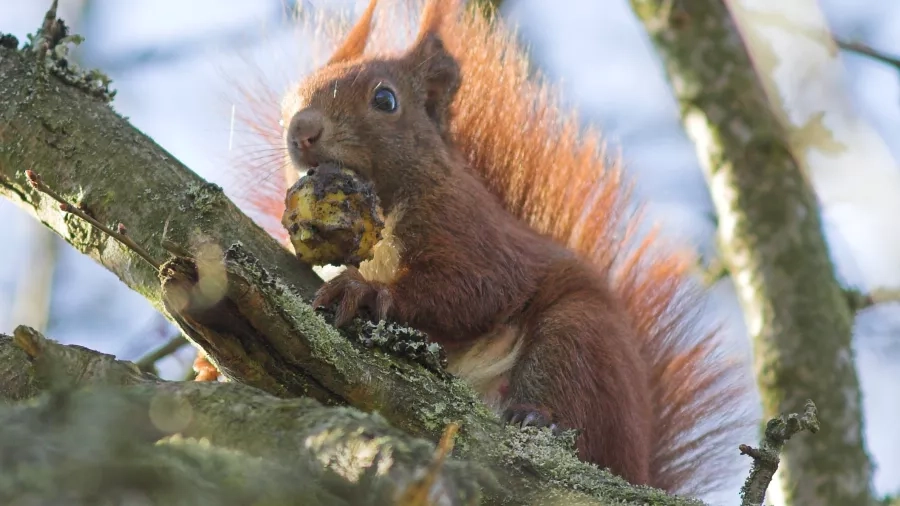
<point>244,419</point>
<point>261,446</point>
<point>94,158</point>
<point>772,242</point>
<point>240,295</point>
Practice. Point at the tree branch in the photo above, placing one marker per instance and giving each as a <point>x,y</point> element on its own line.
<point>864,50</point>
<point>766,457</point>
<point>75,382</point>
<point>253,444</point>
<point>147,363</point>
<point>771,238</point>
<point>93,158</point>
<point>858,300</point>
<point>241,296</point>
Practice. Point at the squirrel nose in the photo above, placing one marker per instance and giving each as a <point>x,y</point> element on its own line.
<point>306,128</point>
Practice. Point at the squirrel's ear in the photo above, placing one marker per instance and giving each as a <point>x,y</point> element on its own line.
<point>355,42</point>
<point>439,74</point>
<point>434,14</point>
<point>434,65</point>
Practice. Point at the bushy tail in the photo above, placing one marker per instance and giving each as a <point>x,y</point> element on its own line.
<point>556,176</point>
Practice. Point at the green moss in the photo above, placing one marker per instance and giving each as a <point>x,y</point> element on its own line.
<point>326,343</point>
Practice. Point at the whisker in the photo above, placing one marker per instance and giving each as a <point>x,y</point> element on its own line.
<point>240,153</point>
<point>271,151</point>
<point>231,132</point>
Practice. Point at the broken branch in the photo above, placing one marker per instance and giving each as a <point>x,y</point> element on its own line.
<point>766,458</point>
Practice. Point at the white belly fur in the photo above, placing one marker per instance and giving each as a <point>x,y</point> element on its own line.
<point>485,365</point>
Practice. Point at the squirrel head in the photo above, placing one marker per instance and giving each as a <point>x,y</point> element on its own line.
<point>386,118</point>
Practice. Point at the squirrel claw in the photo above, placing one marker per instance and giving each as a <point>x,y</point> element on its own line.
<point>529,416</point>
<point>353,293</point>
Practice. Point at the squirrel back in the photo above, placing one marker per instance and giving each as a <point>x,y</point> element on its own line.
<point>554,175</point>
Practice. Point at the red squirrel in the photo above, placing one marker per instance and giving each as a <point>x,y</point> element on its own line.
<point>507,241</point>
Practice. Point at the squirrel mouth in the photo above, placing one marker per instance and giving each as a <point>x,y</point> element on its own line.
<point>310,163</point>
<point>309,160</point>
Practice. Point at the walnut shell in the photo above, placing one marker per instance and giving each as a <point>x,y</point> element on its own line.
<point>332,217</point>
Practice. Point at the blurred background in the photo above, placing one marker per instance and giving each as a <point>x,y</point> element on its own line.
<point>175,65</point>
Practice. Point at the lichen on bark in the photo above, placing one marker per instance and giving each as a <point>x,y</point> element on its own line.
<point>105,413</point>
<point>97,427</point>
<point>771,239</point>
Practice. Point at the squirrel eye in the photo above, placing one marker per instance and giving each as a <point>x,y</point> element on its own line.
<point>384,100</point>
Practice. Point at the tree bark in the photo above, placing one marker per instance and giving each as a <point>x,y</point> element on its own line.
<point>96,405</point>
<point>34,290</point>
<point>771,239</point>
<point>233,444</point>
<point>242,297</point>
<point>89,154</point>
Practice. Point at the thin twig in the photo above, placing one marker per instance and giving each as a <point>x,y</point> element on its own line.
<point>766,457</point>
<point>48,31</point>
<point>780,21</point>
<point>50,17</point>
<point>418,492</point>
<point>121,235</point>
<point>148,361</point>
<point>859,48</point>
<point>859,300</point>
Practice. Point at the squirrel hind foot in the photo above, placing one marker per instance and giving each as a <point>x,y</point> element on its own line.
<point>527,415</point>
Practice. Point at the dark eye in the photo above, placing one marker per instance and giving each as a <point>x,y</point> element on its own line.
<point>384,100</point>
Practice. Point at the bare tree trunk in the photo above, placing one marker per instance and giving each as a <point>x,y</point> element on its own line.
<point>34,290</point>
<point>772,242</point>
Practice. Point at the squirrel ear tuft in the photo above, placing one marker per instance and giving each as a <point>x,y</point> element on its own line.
<point>355,43</point>
<point>433,15</point>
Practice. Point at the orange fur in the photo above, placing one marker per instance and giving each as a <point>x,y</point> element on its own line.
<point>355,41</point>
<point>530,150</point>
<point>549,172</point>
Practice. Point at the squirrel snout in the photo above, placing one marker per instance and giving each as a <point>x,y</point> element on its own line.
<point>306,129</point>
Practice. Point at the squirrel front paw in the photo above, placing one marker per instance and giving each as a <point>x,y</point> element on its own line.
<point>353,293</point>
<point>526,415</point>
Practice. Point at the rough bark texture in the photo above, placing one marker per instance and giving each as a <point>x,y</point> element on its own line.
<point>234,445</point>
<point>241,296</point>
<point>77,417</point>
<point>88,153</point>
<point>772,242</point>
